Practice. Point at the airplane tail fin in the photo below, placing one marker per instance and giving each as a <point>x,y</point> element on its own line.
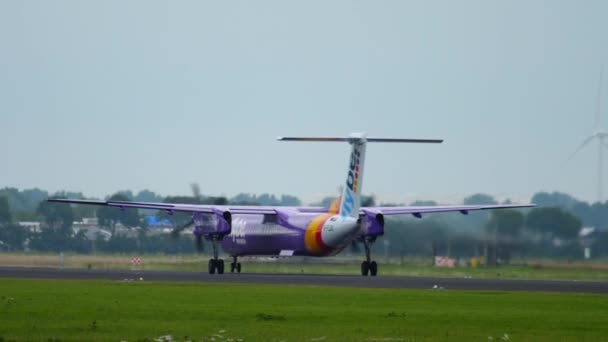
<point>350,201</point>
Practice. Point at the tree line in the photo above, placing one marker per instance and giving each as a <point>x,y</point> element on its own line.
<point>548,230</point>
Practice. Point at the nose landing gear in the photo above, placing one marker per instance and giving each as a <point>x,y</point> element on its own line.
<point>235,266</point>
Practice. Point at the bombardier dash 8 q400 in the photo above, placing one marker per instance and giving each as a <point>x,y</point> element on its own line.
<point>301,231</point>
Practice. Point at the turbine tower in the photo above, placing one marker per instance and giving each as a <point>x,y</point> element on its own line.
<point>600,134</point>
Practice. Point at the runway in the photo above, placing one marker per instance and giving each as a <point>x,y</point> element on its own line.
<point>312,280</point>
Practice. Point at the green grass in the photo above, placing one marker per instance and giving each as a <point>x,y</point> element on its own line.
<point>41,310</point>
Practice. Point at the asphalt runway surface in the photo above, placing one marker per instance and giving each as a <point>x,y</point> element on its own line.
<point>311,279</point>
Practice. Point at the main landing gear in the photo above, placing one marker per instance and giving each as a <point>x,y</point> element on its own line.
<point>235,266</point>
<point>368,266</point>
<point>215,264</point>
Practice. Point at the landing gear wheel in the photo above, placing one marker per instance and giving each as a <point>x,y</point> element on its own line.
<point>235,266</point>
<point>365,268</point>
<point>220,266</point>
<point>212,266</point>
<point>368,266</point>
<point>373,268</point>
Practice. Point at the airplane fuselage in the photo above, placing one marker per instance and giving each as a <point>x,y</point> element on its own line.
<point>294,234</point>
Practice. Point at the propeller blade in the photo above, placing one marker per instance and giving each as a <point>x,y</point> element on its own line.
<point>175,232</point>
<point>196,192</point>
<point>585,142</point>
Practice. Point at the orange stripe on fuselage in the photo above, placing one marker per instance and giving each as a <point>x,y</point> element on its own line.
<point>312,239</point>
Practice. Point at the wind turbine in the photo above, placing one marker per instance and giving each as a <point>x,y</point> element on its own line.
<point>600,134</point>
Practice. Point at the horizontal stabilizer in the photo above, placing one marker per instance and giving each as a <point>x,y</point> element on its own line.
<point>349,139</point>
<point>388,140</point>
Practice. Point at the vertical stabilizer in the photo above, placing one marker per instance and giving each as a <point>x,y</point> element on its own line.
<point>351,195</point>
<point>349,203</point>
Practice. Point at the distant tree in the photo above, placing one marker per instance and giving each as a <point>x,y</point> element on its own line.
<point>128,194</point>
<point>12,236</point>
<point>593,215</point>
<point>507,222</point>
<point>23,215</point>
<point>479,199</point>
<point>325,202</point>
<point>477,220</point>
<point>110,216</point>
<point>5,212</point>
<point>12,196</point>
<point>553,222</point>
<point>27,200</point>
<point>265,199</point>
<point>368,201</point>
<point>292,201</point>
<point>63,194</point>
<point>182,199</point>
<point>244,199</point>
<point>147,196</point>
<point>583,211</point>
<point>216,200</point>
<point>554,199</point>
<point>423,203</point>
<point>391,204</point>
<point>84,211</point>
<point>57,216</point>
<point>598,215</point>
<point>505,227</point>
<point>78,211</point>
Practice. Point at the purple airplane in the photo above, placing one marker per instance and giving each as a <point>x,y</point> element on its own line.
<point>303,231</point>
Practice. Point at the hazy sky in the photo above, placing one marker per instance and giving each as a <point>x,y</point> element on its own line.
<point>99,96</point>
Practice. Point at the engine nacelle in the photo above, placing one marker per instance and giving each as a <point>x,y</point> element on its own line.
<point>218,223</point>
<point>372,223</point>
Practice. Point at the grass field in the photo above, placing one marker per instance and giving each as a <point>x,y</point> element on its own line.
<point>535,269</point>
<point>57,310</point>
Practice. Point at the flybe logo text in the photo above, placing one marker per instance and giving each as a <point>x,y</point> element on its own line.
<point>352,184</point>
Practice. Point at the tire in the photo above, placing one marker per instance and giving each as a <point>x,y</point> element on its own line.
<point>373,268</point>
<point>220,266</point>
<point>212,266</point>
<point>364,268</point>
<point>238,267</point>
<point>232,267</point>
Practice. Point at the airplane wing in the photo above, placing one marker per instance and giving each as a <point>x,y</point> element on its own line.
<point>173,207</point>
<point>192,208</point>
<point>418,211</point>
